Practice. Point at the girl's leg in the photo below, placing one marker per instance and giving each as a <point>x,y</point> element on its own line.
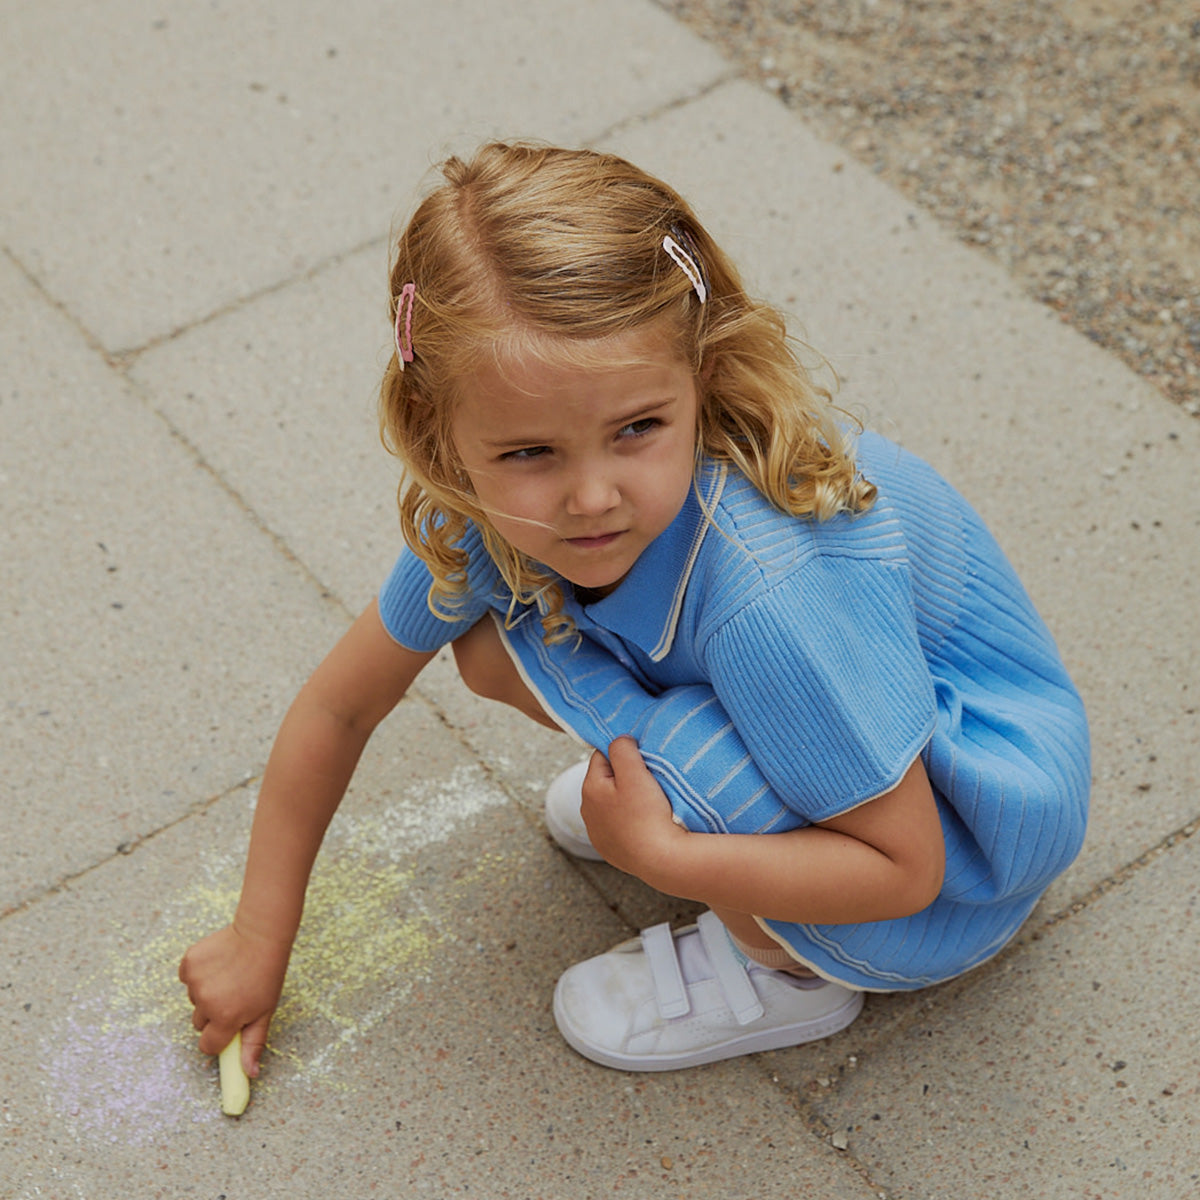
<point>746,929</point>
<point>488,671</point>
<point>750,939</point>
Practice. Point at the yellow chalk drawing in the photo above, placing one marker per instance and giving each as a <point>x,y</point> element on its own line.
<point>353,938</point>
<point>352,941</point>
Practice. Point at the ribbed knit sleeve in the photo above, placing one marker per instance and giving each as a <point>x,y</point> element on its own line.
<point>824,679</point>
<point>404,598</point>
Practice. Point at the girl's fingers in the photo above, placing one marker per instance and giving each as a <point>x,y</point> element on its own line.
<point>598,767</point>
<point>254,1042</point>
<point>598,780</point>
<point>624,756</point>
<point>214,1038</point>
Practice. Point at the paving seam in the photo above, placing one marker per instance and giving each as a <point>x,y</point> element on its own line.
<point>1121,876</point>
<point>126,849</point>
<point>635,120</point>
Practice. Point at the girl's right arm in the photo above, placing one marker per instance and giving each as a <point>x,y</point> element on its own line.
<point>235,975</point>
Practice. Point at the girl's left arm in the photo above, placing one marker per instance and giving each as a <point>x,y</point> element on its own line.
<point>882,860</point>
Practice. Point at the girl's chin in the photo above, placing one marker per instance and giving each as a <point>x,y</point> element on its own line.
<point>597,587</point>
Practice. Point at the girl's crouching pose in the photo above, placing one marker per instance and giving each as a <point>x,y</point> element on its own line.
<point>636,517</point>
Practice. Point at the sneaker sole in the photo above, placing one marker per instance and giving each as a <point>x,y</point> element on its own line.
<point>778,1038</point>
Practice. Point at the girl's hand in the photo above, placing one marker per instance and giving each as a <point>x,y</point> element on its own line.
<point>234,982</point>
<point>627,814</point>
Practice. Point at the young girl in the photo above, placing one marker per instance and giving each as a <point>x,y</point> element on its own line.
<point>822,703</point>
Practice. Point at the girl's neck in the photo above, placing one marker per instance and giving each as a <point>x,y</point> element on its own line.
<point>587,596</point>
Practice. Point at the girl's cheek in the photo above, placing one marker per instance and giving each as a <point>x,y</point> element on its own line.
<point>524,501</point>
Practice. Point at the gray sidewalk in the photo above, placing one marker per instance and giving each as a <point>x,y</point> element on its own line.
<point>196,202</point>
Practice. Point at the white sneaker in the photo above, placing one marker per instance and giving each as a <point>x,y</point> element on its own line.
<point>669,1000</point>
<point>564,798</point>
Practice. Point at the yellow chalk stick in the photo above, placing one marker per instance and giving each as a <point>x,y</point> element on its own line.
<point>235,1083</point>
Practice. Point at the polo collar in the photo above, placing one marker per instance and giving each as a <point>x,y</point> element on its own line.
<point>645,609</point>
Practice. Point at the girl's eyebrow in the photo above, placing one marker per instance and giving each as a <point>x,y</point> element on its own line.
<point>638,412</point>
<point>511,443</point>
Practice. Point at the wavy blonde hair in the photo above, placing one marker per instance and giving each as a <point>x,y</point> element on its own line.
<point>532,250</point>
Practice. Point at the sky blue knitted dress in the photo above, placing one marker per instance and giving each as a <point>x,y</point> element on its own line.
<point>778,671</point>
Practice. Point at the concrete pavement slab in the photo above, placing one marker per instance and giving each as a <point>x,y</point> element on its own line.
<point>1070,1071</point>
<point>279,398</point>
<point>153,633</point>
<point>238,212</point>
<point>414,1053</point>
<point>163,163</point>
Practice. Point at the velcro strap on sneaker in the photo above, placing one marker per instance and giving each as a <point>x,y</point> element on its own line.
<point>733,977</point>
<point>669,990</point>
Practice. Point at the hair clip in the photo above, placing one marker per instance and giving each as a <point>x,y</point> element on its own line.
<point>404,315</point>
<point>686,262</point>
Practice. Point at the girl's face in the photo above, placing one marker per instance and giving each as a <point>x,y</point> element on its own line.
<point>577,468</point>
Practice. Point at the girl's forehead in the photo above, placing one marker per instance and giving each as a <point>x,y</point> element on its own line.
<point>556,375</point>
<point>650,345</point>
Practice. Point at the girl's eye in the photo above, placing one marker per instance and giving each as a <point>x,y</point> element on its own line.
<point>640,427</point>
<point>526,453</point>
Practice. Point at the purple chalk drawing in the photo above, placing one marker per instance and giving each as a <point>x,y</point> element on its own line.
<point>120,1082</point>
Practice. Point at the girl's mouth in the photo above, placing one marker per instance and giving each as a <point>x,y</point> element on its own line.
<point>596,542</point>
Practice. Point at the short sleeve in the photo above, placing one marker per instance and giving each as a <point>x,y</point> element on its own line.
<point>404,598</point>
<point>824,677</point>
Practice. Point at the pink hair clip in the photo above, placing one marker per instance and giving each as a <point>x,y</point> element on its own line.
<point>687,264</point>
<point>404,315</point>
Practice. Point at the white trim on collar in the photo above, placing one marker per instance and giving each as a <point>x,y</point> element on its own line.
<point>715,485</point>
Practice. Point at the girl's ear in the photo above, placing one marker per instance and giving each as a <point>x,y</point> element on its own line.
<point>706,368</point>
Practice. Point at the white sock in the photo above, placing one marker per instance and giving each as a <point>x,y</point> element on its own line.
<point>774,958</point>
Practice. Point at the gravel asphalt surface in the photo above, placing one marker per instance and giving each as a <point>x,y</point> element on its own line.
<point>1064,139</point>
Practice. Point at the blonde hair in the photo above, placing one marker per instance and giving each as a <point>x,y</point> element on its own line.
<point>532,250</point>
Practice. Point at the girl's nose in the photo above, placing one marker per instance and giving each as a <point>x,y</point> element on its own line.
<point>593,492</point>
